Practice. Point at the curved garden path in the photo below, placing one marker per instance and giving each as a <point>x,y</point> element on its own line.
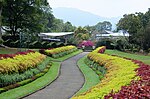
<point>66,85</point>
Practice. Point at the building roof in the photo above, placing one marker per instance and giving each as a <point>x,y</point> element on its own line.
<point>117,34</point>
<point>56,34</point>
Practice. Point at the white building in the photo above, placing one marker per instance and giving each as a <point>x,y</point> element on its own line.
<point>60,36</point>
<point>112,35</point>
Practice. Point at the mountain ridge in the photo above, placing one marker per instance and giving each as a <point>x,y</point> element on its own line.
<point>82,18</point>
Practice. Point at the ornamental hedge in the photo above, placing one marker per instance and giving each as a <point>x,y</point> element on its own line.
<point>60,51</point>
<point>20,66</point>
<point>123,79</point>
<point>20,63</point>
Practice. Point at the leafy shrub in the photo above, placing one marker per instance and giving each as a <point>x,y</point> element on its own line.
<point>60,51</point>
<point>60,44</point>
<point>20,63</point>
<point>35,44</point>
<point>86,43</point>
<point>8,79</point>
<point>1,41</point>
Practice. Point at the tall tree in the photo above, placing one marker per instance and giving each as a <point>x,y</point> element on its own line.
<point>81,34</point>
<point>2,2</point>
<point>138,26</point>
<point>130,23</point>
<point>101,26</point>
<point>58,25</point>
<point>68,27</point>
<point>20,15</point>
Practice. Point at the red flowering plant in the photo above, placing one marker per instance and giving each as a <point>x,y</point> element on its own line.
<point>86,44</point>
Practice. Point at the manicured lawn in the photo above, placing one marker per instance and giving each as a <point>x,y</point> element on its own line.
<point>91,78</point>
<point>145,59</point>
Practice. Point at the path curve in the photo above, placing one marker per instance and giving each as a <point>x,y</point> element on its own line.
<point>66,85</point>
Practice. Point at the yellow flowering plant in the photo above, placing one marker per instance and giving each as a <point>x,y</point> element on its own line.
<point>60,51</point>
<point>20,63</point>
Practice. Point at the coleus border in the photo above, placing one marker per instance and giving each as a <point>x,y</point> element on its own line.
<point>139,89</point>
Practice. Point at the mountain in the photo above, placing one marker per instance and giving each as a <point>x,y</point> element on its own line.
<point>81,18</point>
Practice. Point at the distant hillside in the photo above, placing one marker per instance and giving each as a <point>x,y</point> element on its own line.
<point>81,18</point>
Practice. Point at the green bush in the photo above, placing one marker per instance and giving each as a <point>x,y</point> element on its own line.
<point>99,70</point>
<point>60,44</point>
<point>1,41</point>
<point>53,45</point>
<point>35,44</point>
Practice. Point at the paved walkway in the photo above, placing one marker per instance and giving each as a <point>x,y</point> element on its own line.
<point>66,85</point>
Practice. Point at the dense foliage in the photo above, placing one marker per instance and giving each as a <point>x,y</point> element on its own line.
<point>20,63</point>
<point>25,19</point>
<point>120,72</point>
<point>138,26</point>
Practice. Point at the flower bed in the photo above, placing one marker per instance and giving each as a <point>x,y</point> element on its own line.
<point>20,67</point>
<point>120,72</point>
<point>20,63</point>
<point>60,51</point>
<point>137,89</point>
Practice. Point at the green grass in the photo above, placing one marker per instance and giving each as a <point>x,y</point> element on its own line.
<point>91,78</point>
<point>33,86</point>
<point>145,59</point>
<point>7,51</point>
<point>66,56</point>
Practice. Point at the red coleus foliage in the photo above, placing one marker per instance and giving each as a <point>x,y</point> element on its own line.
<point>137,89</point>
<point>2,56</point>
<point>102,50</point>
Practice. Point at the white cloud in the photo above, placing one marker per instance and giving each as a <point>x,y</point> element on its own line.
<point>107,8</point>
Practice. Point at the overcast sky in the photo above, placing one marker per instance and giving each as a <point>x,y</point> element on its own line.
<point>106,8</point>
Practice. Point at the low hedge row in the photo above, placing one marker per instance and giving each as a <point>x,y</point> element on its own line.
<point>20,63</point>
<point>28,78</point>
<point>60,51</point>
<point>8,79</point>
<point>99,70</point>
<point>120,72</point>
